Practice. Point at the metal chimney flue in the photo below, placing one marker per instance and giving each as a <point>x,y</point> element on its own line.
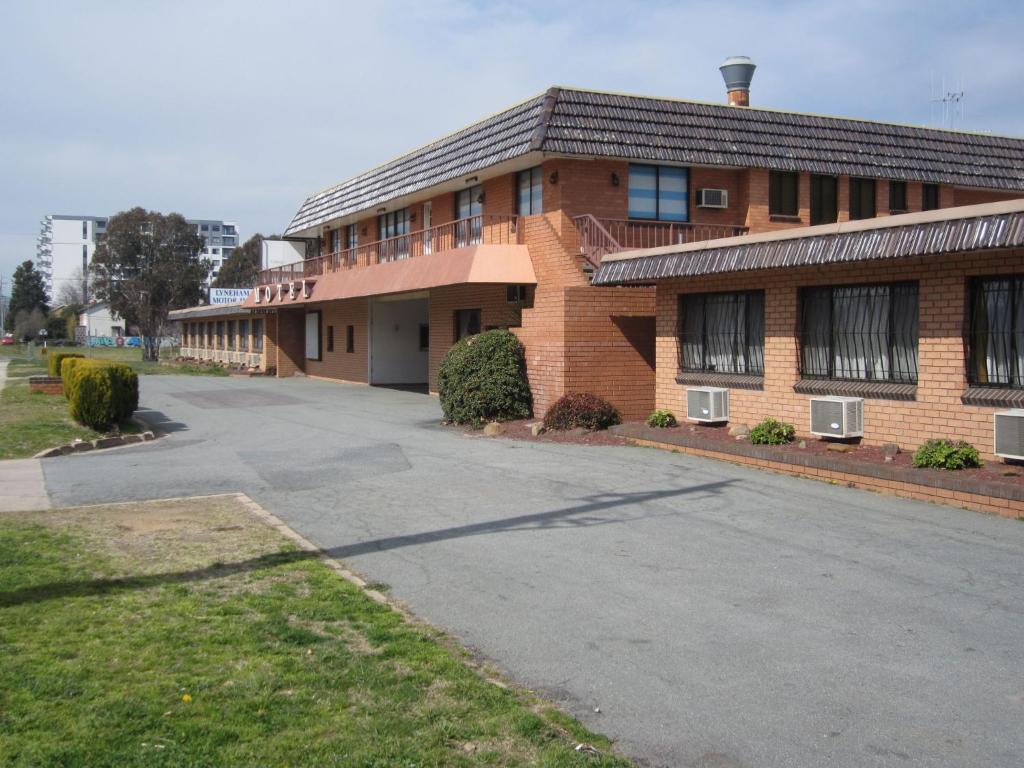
<point>738,71</point>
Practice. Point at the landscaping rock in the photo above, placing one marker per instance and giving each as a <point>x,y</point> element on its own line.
<point>739,430</point>
<point>493,429</point>
<point>132,439</point>
<point>49,452</point>
<point>802,444</point>
<point>841,447</point>
<point>108,442</point>
<point>890,450</point>
<point>537,429</point>
<point>81,447</point>
<point>148,435</point>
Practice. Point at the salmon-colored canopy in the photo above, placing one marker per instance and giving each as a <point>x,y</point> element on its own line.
<point>502,264</point>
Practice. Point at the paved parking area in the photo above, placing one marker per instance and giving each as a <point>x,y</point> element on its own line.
<point>716,616</point>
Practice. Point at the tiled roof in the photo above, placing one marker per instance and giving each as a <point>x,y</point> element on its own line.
<point>950,230</point>
<point>588,123</point>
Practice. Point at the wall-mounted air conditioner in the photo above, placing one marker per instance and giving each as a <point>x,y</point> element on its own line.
<point>837,416</point>
<point>712,198</point>
<point>707,404</point>
<point>1009,434</point>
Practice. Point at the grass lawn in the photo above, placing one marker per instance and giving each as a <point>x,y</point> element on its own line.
<point>187,633</point>
<point>30,422</point>
<point>129,355</point>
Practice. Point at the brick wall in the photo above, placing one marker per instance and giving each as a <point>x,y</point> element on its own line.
<point>341,364</point>
<point>937,410</point>
<point>978,196</point>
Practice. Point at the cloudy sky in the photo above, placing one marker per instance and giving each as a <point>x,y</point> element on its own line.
<point>239,109</point>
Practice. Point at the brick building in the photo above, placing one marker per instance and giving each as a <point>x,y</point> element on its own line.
<point>504,223</point>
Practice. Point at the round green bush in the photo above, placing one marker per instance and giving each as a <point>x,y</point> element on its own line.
<point>483,378</point>
<point>662,418</point>
<point>947,454</point>
<point>100,393</point>
<point>772,432</point>
<point>581,410</point>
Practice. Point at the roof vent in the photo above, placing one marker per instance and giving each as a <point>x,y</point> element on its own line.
<point>738,71</point>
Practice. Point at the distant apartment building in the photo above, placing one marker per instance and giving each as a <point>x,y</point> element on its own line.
<point>66,245</point>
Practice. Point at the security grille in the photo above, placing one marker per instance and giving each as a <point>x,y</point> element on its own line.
<point>995,342</point>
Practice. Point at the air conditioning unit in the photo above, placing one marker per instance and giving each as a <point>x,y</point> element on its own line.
<point>712,198</point>
<point>837,416</point>
<point>1009,434</point>
<point>707,404</point>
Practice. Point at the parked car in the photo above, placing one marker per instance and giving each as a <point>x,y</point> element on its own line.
<point>7,340</point>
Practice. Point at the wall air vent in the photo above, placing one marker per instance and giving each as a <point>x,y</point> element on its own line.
<point>837,416</point>
<point>712,198</point>
<point>708,404</point>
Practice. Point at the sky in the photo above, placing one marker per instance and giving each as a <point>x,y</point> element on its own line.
<point>240,109</point>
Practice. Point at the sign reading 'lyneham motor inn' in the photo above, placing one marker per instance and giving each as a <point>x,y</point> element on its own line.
<point>267,294</point>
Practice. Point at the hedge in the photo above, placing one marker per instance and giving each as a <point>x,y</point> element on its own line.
<point>581,410</point>
<point>100,393</point>
<point>483,378</point>
<point>54,359</point>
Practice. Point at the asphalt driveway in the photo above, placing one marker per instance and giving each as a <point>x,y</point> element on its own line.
<point>716,616</point>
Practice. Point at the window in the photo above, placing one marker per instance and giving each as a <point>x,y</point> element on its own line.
<point>469,203</point>
<point>330,338</point>
<point>467,323</point>
<point>335,245</point>
<point>85,230</point>
<point>229,229</point>
<point>85,257</point>
<point>995,343</point>
<point>424,337</point>
<point>313,336</point>
<point>658,192</point>
<point>722,332</point>
<point>209,336</point>
<point>216,227</point>
<point>231,335</point>
<point>929,197</point>
<point>350,338</point>
<point>257,335</point>
<point>530,191</point>
<point>205,227</point>
<point>226,252</point>
<point>351,236</point>
<point>243,335</point>
<point>862,199</point>
<point>516,294</point>
<point>897,196</point>
<point>860,332</point>
<point>782,193</point>
<point>394,224</point>
<point>220,334</point>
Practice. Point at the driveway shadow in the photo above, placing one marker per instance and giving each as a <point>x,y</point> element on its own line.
<point>158,421</point>
<point>599,509</point>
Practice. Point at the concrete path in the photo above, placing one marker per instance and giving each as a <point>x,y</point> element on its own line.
<point>22,487</point>
<point>715,615</point>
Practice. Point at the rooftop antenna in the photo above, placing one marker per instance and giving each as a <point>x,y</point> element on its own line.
<point>950,104</point>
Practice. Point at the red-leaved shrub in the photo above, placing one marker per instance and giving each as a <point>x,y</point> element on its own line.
<point>581,410</point>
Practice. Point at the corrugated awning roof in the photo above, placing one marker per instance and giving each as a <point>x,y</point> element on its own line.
<point>951,230</point>
<point>209,310</point>
<point>566,121</point>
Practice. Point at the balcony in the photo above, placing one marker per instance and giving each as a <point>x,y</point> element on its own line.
<point>476,230</point>
<point>599,237</point>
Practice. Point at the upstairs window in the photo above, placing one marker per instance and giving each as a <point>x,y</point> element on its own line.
<point>393,224</point>
<point>469,203</point>
<point>782,193</point>
<point>860,332</point>
<point>824,194</point>
<point>897,197</point>
<point>929,197</point>
<point>722,332</point>
<point>995,343</point>
<point>335,241</point>
<point>530,191</point>
<point>862,199</point>
<point>658,192</point>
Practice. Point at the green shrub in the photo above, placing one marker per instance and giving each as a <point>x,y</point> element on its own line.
<point>53,361</point>
<point>662,418</point>
<point>581,410</point>
<point>100,393</point>
<point>772,432</point>
<point>67,365</point>
<point>483,378</point>
<point>947,454</point>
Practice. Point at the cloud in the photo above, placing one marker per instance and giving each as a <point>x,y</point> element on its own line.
<point>239,109</point>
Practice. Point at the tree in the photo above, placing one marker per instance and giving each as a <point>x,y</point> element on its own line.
<point>242,267</point>
<point>27,324</point>
<point>147,265</point>
<point>28,293</point>
<point>75,290</point>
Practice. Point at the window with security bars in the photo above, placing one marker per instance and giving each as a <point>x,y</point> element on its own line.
<point>243,335</point>
<point>783,193</point>
<point>995,342</point>
<point>257,335</point>
<point>860,332</point>
<point>722,332</point>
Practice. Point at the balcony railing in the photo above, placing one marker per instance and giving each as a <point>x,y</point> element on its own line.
<point>599,237</point>
<point>476,230</point>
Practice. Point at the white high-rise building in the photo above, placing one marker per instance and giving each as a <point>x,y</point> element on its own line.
<point>66,244</point>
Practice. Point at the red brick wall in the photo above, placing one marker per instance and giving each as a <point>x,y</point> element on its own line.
<point>977,196</point>
<point>340,364</point>
<point>937,411</point>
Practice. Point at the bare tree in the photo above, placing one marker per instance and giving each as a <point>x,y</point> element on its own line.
<point>74,292</point>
